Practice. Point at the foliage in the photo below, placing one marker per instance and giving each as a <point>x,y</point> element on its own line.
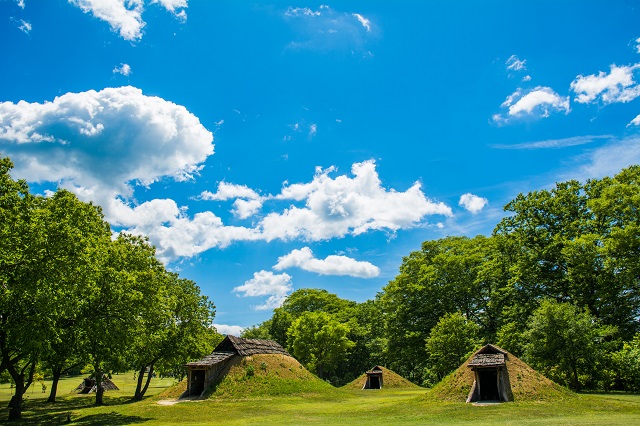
<point>319,342</point>
<point>444,277</point>
<point>451,341</point>
<point>563,341</point>
<point>260,331</point>
<point>627,363</point>
<point>71,296</point>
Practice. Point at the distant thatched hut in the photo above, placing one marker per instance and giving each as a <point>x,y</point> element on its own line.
<point>491,377</point>
<point>210,369</point>
<point>374,378</point>
<point>89,385</point>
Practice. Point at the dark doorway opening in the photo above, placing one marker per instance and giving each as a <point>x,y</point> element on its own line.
<point>197,382</point>
<point>488,385</point>
<point>374,382</point>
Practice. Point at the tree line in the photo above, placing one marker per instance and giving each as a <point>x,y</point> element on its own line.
<point>72,295</point>
<point>556,283</point>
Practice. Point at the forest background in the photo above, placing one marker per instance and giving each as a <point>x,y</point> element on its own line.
<point>557,283</point>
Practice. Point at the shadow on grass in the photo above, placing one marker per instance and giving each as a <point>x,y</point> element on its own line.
<point>40,412</point>
<point>109,419</point>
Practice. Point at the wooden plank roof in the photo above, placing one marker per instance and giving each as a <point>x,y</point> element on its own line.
<point>487,360</point>
<point>211,359</point>
<point>246,347</point>
<point>232,345</point>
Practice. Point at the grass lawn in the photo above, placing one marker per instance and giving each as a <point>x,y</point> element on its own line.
<point>334,406</point>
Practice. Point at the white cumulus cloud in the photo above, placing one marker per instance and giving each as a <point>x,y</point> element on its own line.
<point>125,16</point>
<point>228,191</point>
<point>248,202</point>
<point>265,283</point>
<point>234,330</point>
<point>100,144</point>
<point>123,69</point>
<point>539,102</point>
<point>105,139</point>
<point>345,205</point>
<point>472,203</point>
<point>616,86</point>
<point>173,6</point>
<point>331,265</point>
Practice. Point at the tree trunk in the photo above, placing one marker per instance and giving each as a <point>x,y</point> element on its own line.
<point>99,388</point>
<point>57,372</point>
<point>15,404</point>
<point>146,385</point>
<point>138,395</point>
<point>576,381</point>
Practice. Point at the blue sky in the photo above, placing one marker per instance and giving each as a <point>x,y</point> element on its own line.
<point>270,146</point>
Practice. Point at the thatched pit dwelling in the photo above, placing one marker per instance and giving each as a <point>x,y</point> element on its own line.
<point>491,378</point>
<point>212,368</point>
<point>374,378</point>
<point>89,385</point>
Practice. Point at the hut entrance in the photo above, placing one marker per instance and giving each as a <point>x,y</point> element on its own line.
<point>374,382</point>
<point>374,378</point>
<point>197,382</point>
<point>488,384</point>
<point>491,376</point>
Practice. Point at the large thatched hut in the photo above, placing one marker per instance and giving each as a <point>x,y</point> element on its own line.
<point>493,374</point>
<point>212,368</point>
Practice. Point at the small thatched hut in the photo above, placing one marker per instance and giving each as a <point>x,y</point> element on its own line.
<point>374,378</point>
<point>212,368</point>
<point>89,385</point>
<point>391,380</point>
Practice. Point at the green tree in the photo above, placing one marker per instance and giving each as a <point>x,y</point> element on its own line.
<point>578,243</point>
<point>564,342</point>
<point>445,276</point>
<point>174,319</point>
<point>319,342</point>
<point>112,303</point>
<point>260,331</point>
<point>450,343</point>
<point>627,364</point>
<point>76,233</point>
<point>23,330</point>
<point>307,300</point>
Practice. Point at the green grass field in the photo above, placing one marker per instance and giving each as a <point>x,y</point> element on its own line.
<point>333,406</point>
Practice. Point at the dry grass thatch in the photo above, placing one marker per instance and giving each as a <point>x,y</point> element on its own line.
<point>267,374</point>
<point>526,383</point>
<point>390,380</point>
